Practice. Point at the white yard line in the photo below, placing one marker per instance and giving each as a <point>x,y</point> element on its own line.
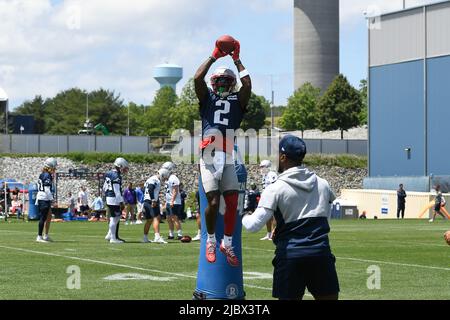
<point>247,248</point>
<point>410,242</point>
<point>32,232</point>
<point>97,261</point>
<point>258,287</point>
<point>121,265</point>
<point>394,263</point>
<point>370,261</point>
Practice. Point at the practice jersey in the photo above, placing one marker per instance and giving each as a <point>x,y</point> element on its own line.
<point>220,114</point>
<point>45,187</point>
<point>113,188</point>
<point>152,188</point>
<point>269,178</point>
<point>300,201</point>
<point>173,182</point>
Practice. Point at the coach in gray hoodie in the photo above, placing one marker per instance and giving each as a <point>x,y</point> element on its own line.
<point>300,202</point>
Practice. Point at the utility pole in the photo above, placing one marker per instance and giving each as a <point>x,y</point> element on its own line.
<point>128,130</point>
<point>404,4</point>
<point>87,107</point>
<point>272,104</point>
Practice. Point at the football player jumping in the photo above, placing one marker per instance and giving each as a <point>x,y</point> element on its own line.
<point>222,110</point>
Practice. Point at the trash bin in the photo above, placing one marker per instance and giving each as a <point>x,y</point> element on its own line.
<point>33,210</point>
<point>343,209</point>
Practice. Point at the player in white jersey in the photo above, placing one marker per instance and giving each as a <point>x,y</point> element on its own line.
<point>268,177</point>
<point>152,211</point>
<point>173,206</point>
<point>114,199</point>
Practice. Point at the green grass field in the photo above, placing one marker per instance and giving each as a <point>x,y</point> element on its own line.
<point>412,256</point>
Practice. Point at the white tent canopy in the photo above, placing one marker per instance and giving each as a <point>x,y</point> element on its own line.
<point>3,95</point>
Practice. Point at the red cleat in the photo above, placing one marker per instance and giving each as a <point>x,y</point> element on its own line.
<point>231,257</point>
<point>210,252</point>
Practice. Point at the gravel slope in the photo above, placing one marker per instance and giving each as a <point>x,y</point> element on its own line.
<point>28,169</point>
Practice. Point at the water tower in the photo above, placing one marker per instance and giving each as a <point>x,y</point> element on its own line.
<point>316,42</point>
<point>168,75</point>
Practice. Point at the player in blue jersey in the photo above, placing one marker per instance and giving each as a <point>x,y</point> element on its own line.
<point>300,202</point>
<point>222,110</point>
<point>114,199</point>
<point>44,199</point>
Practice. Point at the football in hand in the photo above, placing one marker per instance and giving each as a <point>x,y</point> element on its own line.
<point>186,239</point>
<point>226,44</point>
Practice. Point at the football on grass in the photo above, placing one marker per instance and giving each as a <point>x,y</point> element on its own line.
<point>447,237</point>
<point>226,43</point>
<point>185,239</point>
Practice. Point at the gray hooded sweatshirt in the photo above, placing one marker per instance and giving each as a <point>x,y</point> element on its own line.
<point>300,202</point>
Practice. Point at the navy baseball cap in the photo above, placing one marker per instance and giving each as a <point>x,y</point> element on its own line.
<point>293,147</point>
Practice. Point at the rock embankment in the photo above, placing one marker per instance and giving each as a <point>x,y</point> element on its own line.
<point>27,170</point>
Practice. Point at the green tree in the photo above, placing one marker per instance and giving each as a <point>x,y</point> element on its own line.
<point>188,95</point>
<point>301,111</point>
<point>35,108</point>
<point>187,109</point>
<point>66,112</point>
<point>339,107</point>
<point>255,116</point>
<point>158,121</point>
<point>363,93</point>
<point>137,116</point>
<point>108,108</point>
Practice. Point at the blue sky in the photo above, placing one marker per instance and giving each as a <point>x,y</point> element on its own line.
<point>51,45</point>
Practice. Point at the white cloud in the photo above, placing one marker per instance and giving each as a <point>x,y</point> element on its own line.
<point>46,47</point>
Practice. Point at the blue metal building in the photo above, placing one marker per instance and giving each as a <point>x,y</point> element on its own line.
<point>409,98</point>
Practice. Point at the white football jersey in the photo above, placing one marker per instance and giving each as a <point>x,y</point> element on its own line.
<point>173,182</point>
<point>153,180</point>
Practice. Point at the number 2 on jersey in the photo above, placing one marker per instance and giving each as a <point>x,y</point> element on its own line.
<point>218,114</point>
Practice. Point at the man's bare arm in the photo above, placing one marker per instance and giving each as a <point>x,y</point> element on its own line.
<point>246,89</point>
<point>201,89</point>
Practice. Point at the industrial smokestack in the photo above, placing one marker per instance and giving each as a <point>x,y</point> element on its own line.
<point>316,42</point>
